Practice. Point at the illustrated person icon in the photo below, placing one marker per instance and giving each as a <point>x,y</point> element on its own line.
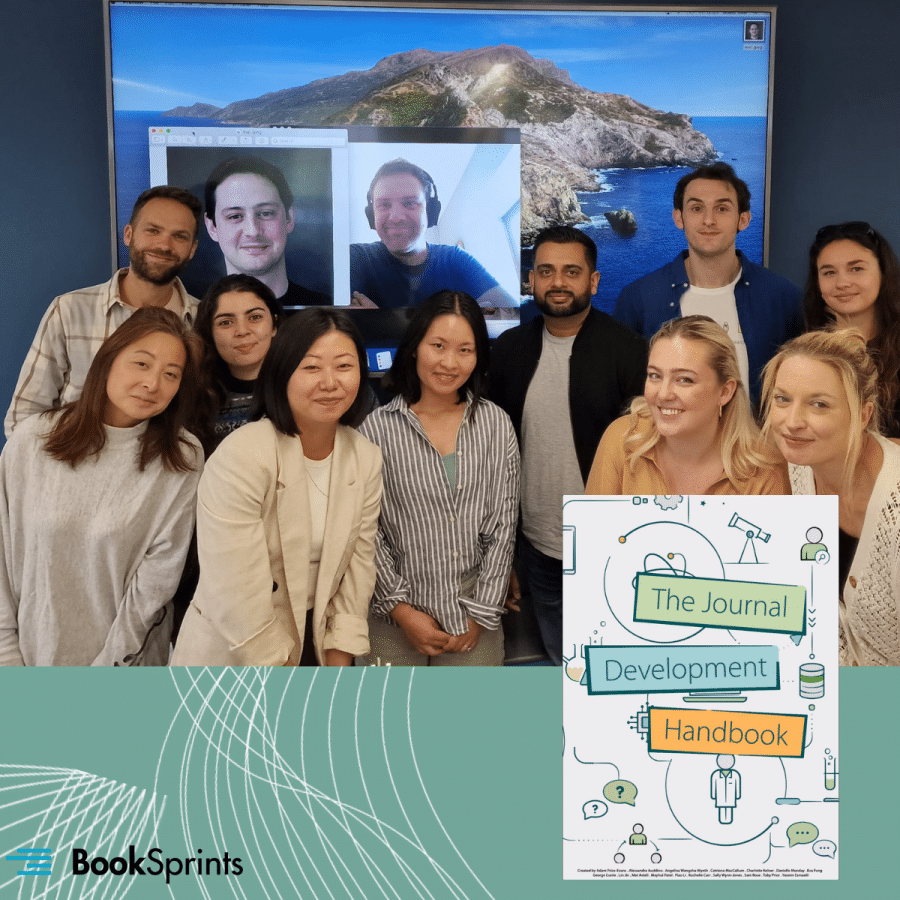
<point>814,544</point>
<point>725,787</point>
<point>638,837</point>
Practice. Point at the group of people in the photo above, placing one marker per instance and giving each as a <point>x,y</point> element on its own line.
<point>333,531</point>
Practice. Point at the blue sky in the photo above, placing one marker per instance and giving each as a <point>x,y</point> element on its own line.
<point>166,57</point>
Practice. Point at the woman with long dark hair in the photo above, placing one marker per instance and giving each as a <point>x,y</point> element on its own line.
<point>237,319</point>
<point>451,499</point>
<point>97,506</point>
<point>854,282</point>
<point>287,510</point>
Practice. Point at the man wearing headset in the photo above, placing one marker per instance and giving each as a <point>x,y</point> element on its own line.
<point>402,269</point>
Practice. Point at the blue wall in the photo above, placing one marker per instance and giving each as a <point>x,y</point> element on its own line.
<point>836,134</point>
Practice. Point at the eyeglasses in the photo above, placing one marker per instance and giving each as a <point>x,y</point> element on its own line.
<point>846,229</point>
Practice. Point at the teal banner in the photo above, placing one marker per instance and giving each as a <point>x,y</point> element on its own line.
<point>358,783</point>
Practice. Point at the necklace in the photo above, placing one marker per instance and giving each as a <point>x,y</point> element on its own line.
<point>322,469</point>
<point>315,483</point>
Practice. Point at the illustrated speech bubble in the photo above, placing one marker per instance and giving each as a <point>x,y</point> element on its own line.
<point>802,833</point>
<point>594,809</point>
<point>824,848</point>
<point>620,792</point>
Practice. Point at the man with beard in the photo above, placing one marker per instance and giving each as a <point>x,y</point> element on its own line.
<point>562,378</point>
<point>403,268</point>
<point>161,238</point>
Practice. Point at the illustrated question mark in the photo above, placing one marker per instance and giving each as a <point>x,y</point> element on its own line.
<point>595,808</point>
<point>621,790</point>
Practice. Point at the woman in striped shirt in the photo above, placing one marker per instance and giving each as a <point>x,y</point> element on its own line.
<point>451,496</point>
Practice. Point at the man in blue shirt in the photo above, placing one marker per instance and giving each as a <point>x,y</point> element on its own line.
<point>759,309</point>
<point>402,269</point>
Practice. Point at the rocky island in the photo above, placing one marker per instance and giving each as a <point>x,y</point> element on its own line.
<point>567,131</point>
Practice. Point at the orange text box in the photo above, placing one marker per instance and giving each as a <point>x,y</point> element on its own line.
<point>718,731</point>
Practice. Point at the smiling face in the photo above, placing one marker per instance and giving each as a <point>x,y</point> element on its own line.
<point>242,329</point>
<point>143,379</point>
<point>324,385</point>
<point>445,357</point>
<point>850,281</point>
<point>809,415</point>
<point>710,218</point>
<point>400,212</point>
<point>161,241</point>
<point>562,280</point>
<point>682,389</point>
<point>251,225</point>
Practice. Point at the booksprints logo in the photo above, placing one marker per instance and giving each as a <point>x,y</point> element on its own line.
<point>37,861</point>
<point>154,863</point>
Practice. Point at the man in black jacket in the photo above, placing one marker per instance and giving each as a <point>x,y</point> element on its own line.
<point>562,379</point>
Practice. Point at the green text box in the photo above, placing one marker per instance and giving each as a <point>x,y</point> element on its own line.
<point>720,603</point>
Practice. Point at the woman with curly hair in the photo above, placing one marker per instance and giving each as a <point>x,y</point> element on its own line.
<point>854,281</point>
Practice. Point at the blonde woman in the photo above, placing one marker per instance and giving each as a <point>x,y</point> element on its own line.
<point>820,397</point>
<point>692,432</point>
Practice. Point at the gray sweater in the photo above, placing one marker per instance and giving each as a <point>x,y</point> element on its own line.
<point>91,555</point>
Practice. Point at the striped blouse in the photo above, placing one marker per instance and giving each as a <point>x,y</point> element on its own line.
<point>431,538</point>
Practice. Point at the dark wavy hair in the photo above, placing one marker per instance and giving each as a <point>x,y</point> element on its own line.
<point>403,378</point>
<point>209,306</point>
<point>213,369</point>
<point>78,431</point>
<point>566,234</point>
<point>245,165</point>
<point>885,346</point>
<point>718,171</point>
<point>291,343</point>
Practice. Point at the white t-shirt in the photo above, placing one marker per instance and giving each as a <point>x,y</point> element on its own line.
<point>719,305</point>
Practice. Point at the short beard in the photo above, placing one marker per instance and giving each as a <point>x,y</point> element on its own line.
<point>578,304</point>
<point>161,277</point>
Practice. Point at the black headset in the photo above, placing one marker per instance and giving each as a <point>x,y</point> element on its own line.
<point>402,167</point>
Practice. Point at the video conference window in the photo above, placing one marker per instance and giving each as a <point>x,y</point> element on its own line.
<point>607,111</point>
<point>253,227</point>
<point>435,216</point>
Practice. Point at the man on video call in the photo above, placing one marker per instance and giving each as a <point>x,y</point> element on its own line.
<point>249,214</point>
<point>402,269</point>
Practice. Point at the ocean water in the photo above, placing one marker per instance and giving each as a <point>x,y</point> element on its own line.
<point>741,142</point>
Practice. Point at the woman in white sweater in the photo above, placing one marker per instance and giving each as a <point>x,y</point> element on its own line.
<point>97,506</point>
<point>820,396</point>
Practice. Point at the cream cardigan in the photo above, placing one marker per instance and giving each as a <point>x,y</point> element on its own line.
<point>870,624</point>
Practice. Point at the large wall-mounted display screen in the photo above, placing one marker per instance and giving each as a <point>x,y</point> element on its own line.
<point>518,118</point>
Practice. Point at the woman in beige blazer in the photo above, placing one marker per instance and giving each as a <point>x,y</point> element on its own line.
<point>287,512</point>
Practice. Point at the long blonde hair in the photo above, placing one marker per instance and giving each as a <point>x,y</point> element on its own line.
<point>846,352</point>
<point>742,450</point>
